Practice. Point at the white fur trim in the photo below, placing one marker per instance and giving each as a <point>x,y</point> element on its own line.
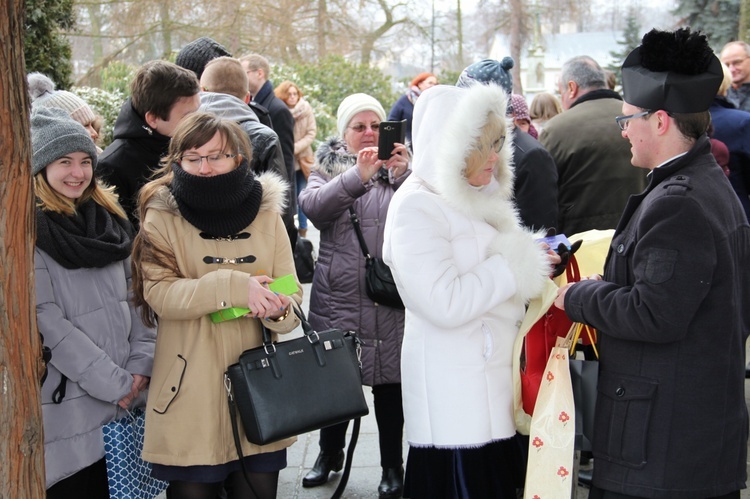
<point>526,259</point>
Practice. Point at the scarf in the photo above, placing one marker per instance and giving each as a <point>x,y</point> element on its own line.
<point>413,94</point>
<point>221,205</point>
<point>92,238</point>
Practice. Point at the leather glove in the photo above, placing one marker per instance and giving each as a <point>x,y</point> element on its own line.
<point>565,254</point>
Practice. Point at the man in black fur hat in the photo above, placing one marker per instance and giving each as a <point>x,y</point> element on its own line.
<point>671,418</point>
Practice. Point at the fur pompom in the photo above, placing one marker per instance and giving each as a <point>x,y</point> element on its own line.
<point>682,51</point>
<point>39,84</point>
<point>507,63</point>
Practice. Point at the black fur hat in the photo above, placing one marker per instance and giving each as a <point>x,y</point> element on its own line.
<point>672,70</point>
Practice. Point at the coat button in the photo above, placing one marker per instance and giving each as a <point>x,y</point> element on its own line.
<point>223,304</point>
<point>620,391</point>
<point>620,248</point>
<point>679,177</point>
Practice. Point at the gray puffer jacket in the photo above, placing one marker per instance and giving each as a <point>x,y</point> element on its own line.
<point>338,298</point>
<point>98,342</point>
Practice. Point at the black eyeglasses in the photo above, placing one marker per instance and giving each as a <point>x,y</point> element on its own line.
<point>361,127</point>
<point>622,121</point>
<point>195,160</point>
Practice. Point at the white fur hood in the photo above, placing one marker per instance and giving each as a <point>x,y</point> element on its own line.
<point>446,129</point>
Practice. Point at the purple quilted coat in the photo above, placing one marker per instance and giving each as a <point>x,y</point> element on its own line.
<point>338,298</point>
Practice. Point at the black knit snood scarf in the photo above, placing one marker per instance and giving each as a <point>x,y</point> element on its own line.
<point>92,238</point>
<point>222,205</point>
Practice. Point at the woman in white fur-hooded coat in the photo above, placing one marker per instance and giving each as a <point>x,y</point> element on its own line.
<point>465,269</point>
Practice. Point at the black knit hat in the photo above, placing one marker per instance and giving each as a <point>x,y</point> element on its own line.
<point>196,54</point>
<point>674,71</point>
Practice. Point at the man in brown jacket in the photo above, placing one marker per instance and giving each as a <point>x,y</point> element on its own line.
<point>595,177</point>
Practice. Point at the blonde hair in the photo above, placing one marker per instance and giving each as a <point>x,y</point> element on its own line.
<point>492,130</point>
<point>224,75</point>
<point>726,82</point>
<point>544,106</point>
<point>48,199</point>
<point>282,91</point>
<point>194,131</point>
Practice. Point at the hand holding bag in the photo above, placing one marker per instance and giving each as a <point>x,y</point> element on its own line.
<point>379,283</point>
<point>128,474</point>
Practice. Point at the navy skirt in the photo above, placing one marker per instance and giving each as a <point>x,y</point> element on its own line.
<point>267,462</point>
<point>493,470</point>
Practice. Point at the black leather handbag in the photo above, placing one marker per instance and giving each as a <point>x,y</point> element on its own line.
<point>379,283</point>
<point>292,387</point>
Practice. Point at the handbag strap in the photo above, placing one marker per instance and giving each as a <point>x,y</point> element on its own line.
<point>236,434</point>
<point>358,230</point>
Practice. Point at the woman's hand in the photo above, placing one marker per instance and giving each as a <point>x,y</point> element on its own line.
<point>553,258</point>
<point>368,163</point>
<point>140,383</point>
<point>399,160</point>
<point>262,302</point>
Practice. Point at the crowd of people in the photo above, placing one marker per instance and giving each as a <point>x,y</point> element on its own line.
<point>213,174</point>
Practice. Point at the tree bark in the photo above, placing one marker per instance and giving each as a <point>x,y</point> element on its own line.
<point>21,445</point>
<point>516,42</point>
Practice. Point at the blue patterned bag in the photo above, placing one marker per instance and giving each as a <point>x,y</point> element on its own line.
<point>128,474</point>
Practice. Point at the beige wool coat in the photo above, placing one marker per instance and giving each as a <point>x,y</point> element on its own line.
<point>187,417</point>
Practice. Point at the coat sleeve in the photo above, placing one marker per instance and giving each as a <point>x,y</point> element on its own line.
<point>420,253</point>
<point>74,353</point>
<point>671,277</point>
<point>324,199</point>
<point>142,338</point>
<point>397,111</point>
<point>536,189</point>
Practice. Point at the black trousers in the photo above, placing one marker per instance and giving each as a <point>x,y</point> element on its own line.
<point>88,483</point>
<point>389,414</point>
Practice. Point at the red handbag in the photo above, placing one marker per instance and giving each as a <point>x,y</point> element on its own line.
<point>538,344</point>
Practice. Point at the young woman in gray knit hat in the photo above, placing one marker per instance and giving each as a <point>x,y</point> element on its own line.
<point>101,351</point>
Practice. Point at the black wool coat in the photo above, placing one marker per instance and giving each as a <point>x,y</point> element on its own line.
<point>671,419</point>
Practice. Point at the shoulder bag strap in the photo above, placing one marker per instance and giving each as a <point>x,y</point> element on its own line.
<point>358,230</point>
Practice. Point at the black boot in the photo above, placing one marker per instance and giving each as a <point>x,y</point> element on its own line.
<point>392,484</point>
<point>325,463</point>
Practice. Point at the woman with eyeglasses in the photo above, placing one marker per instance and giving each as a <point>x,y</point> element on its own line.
<point>348,174</point>
<point>465,268</point>
<point>211,238</point>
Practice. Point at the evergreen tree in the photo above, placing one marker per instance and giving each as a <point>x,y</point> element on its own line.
<point>718,19</point>
<point>45,47</point>
<point>631,38</point>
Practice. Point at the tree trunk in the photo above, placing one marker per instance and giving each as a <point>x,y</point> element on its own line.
<point>460,34</point>
<point>744,28</point>
<point>516,42</point>
<point>322,25</point>
<point>21,445</point>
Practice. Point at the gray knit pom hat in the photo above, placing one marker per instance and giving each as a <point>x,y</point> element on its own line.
<point>55,134</point>
<point>43,94</point>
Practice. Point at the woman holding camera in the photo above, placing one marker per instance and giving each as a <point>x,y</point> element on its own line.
<point>211,238</point>
<point>348,174</point>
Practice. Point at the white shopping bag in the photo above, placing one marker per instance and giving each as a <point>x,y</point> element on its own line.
<point>549,474</point>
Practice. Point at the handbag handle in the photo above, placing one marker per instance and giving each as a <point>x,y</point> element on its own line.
<point>571,340</point>
<point>306,327</point>
<point>358,230</point>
